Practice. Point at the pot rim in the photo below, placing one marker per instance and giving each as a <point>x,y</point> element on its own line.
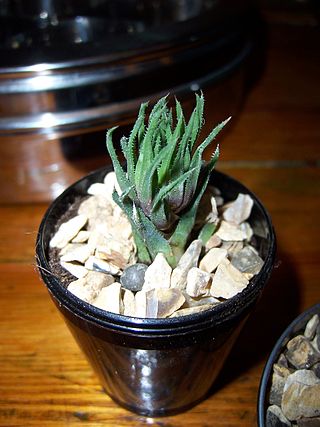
<point>201,320</point>
<point>297,324</point>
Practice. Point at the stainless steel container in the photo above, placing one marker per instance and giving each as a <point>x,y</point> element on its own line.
<point>71,69</point>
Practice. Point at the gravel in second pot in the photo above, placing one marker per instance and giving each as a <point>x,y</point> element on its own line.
<point>294,397</point>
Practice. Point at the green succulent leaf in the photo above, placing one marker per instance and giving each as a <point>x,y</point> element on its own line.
<point>122,179</point>
<point>164,191</point>
<point>126,206</point>
<point>153,238</point>
<point>187,220</point>
<point>197,162</point>
<point>146,152</point>
<point>212,162</point>
<point>130,154</point>
<point>147,190</point>
<point>198,120</point>
<point>160,217</point>
<point>200,149</point>
<point>180,128</point>
<point>124,144</point>
<point>166,164</point>
<point>180,163</point>
<point>206,232</point>
<point>165,177</point>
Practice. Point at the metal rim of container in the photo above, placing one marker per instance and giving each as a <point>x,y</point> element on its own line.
<point>53,122</point>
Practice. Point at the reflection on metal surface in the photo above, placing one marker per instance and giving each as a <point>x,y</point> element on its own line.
<point>72,68</point>
<point>45,121</point>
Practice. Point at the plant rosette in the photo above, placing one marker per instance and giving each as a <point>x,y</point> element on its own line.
<point>156,267</point>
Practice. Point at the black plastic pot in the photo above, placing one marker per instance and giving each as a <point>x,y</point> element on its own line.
<point>295,327</point>
<point>156,366</point>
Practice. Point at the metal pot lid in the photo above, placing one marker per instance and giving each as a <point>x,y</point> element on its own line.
<point>98,60</point>
<point>48,34</point>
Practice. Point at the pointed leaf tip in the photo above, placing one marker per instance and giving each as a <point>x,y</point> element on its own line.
<point>216,152</point>
<point>226,121</point>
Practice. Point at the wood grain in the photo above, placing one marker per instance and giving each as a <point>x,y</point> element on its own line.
<point>273,148</point>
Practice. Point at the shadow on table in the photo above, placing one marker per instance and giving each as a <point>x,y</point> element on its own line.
<point>278,306</point>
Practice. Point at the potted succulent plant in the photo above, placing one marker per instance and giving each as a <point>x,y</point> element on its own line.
<point>167,267</point>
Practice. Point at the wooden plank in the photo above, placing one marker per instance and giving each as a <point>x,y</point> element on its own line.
<point>18,231</point>
<point>48,381</point>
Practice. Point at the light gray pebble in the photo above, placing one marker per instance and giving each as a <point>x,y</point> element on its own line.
<point>275,417</point>
<point>276,391</point>
<point>316,369</point>
<point>247,261</point>
<point>301,354</point>
<point>133,277</point>
<point>311,327</point>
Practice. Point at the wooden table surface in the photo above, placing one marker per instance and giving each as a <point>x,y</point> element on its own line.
<point>273,148</point>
